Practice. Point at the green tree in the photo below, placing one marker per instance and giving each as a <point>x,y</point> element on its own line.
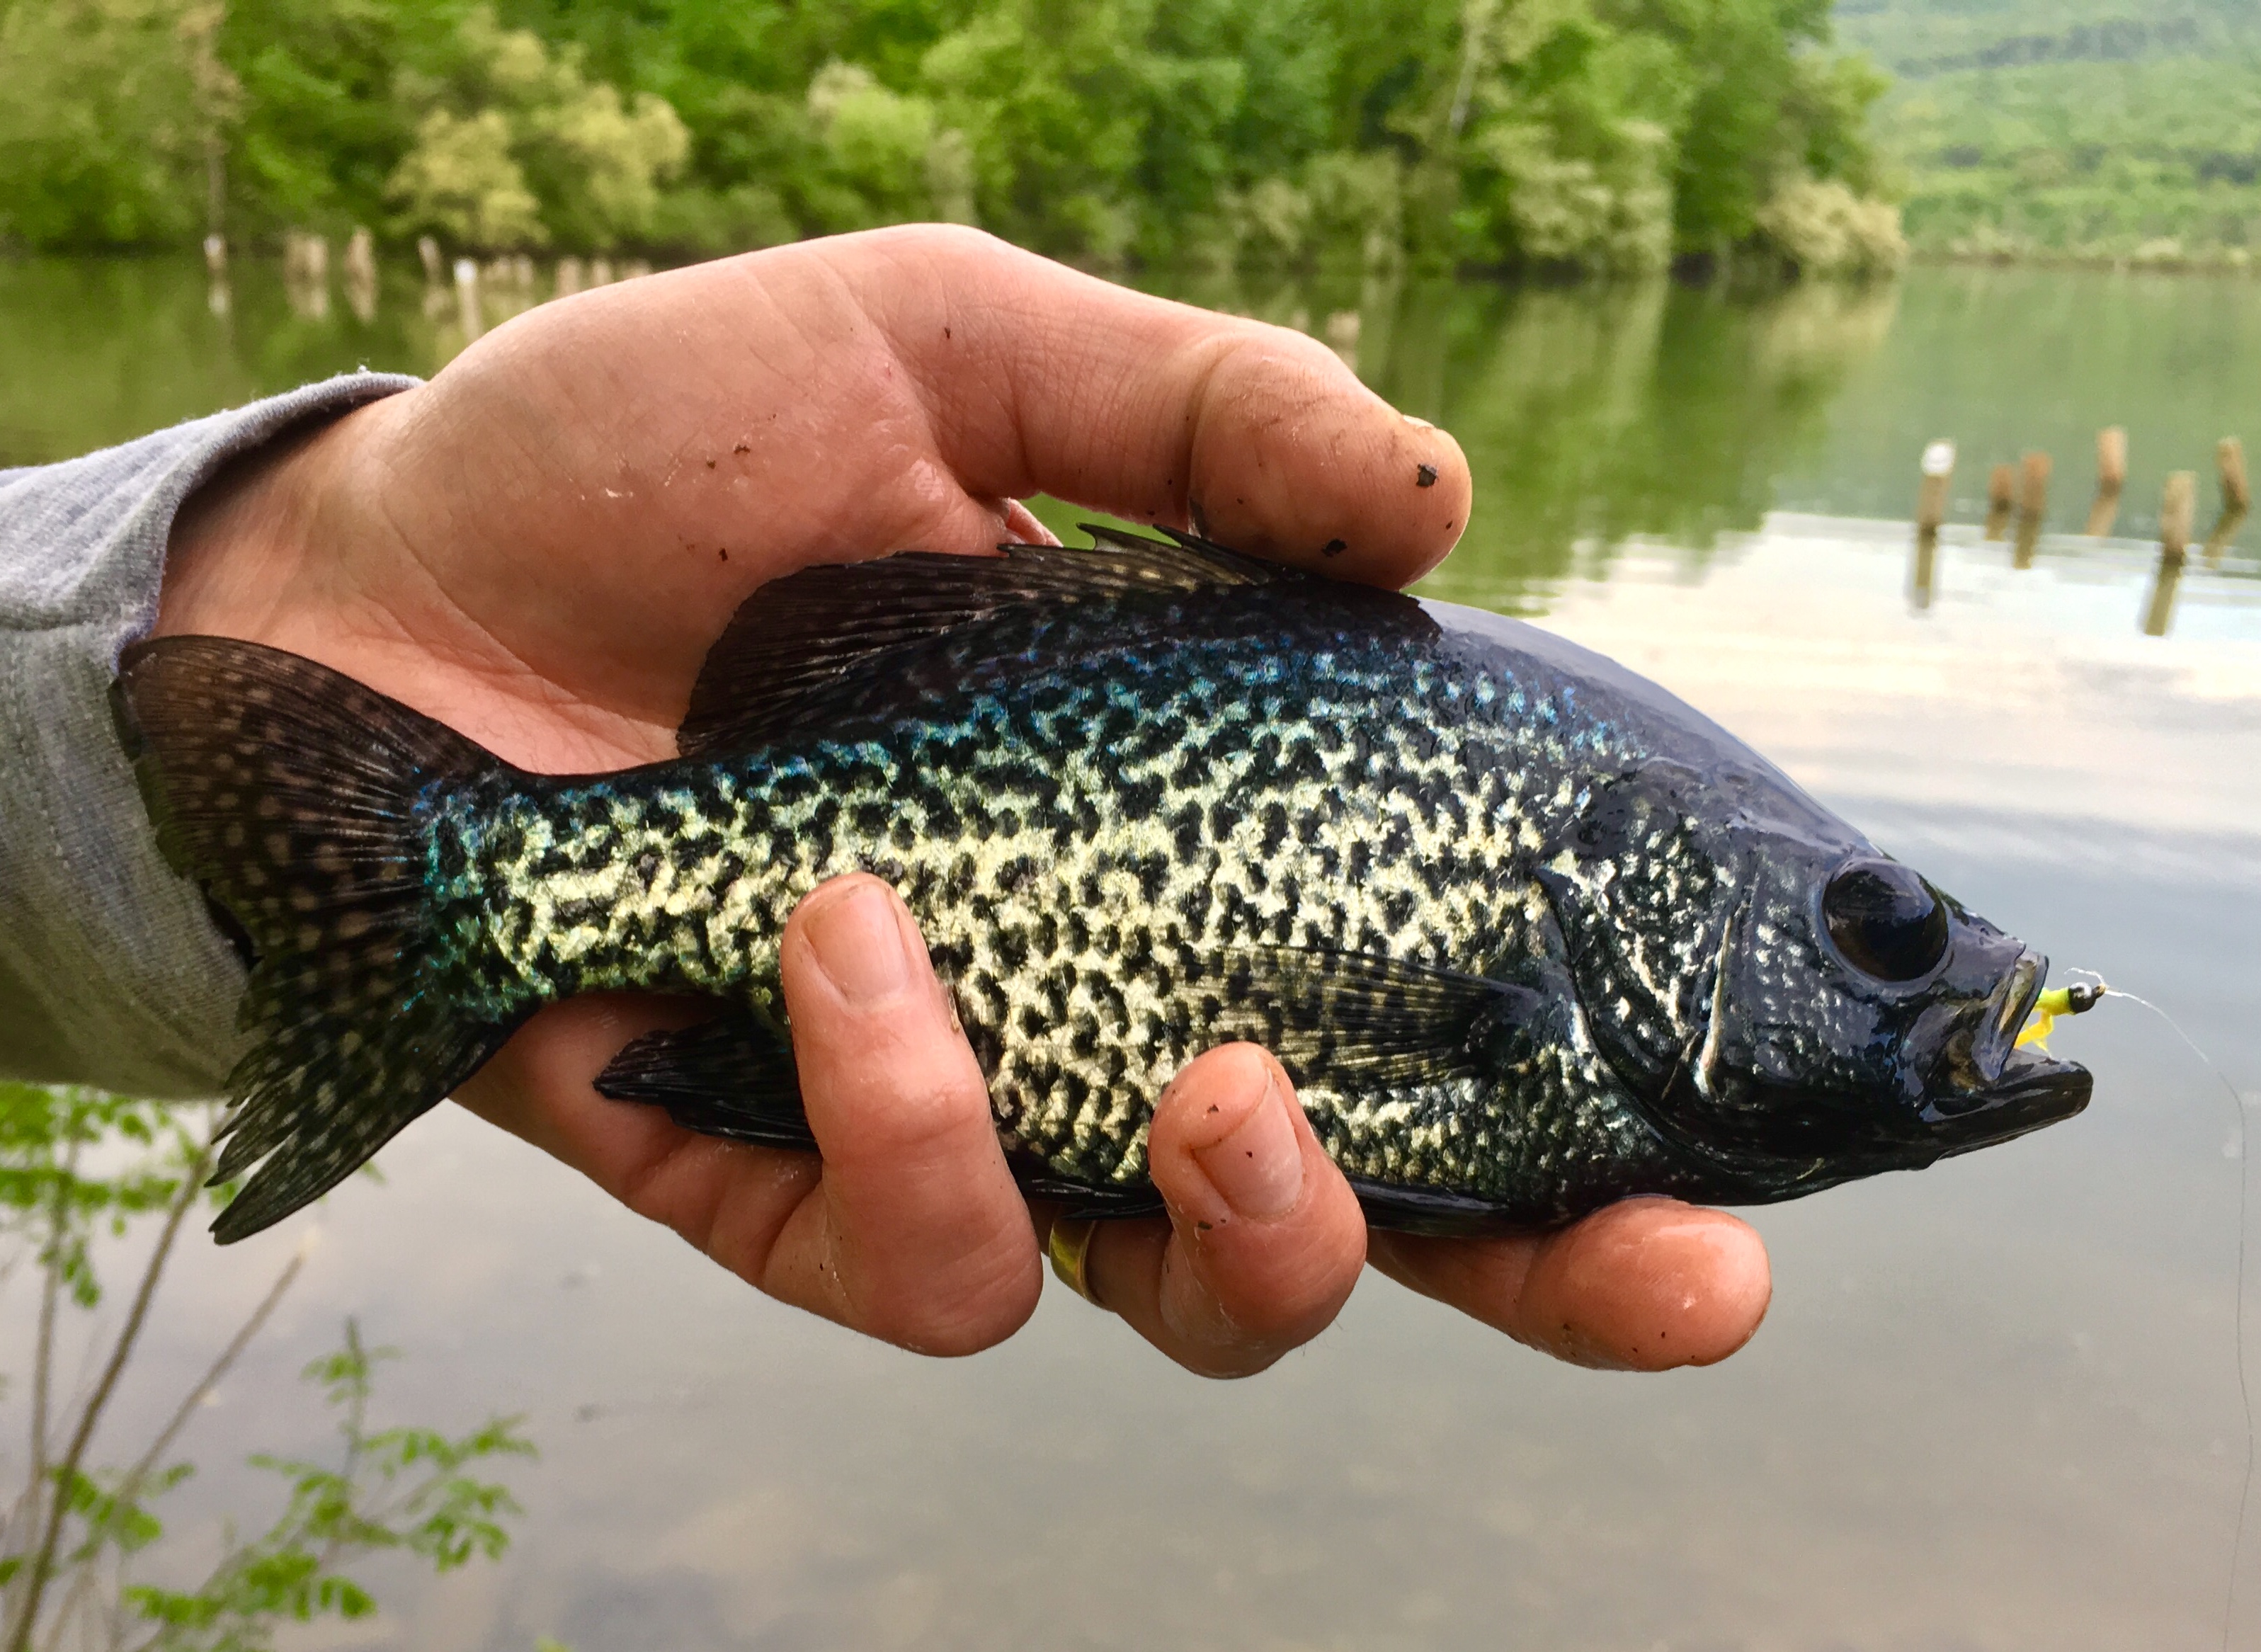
<point>518,147</point>
<point>1596,134</point>
<point>109,111</point>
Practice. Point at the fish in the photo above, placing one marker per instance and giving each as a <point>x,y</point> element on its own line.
<point>1529,934</point>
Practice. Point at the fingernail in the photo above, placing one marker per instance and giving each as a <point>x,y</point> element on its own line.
<point>858,943</point>
<point>1259,1168</point>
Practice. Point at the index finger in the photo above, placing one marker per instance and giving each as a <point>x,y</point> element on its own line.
<point>1043,379</point>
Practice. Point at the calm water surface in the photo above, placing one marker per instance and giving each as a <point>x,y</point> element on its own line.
<point>1995,1405</point>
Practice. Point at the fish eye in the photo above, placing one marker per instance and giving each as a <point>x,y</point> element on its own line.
<point>1885,921</point>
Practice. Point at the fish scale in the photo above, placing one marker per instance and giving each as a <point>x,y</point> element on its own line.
<point>1251,781</point>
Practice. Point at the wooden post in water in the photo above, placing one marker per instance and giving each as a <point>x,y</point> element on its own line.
<point>2033,505</point>
<point>2175,515</point>
<point>361,273</point>
<point>215,295</point>
<point>2001,497</point>
<point>2178,511</point>
<point>2111,478</point>
<point>467,299</point>
<point>2236,498</point>
<point>1930,515</point>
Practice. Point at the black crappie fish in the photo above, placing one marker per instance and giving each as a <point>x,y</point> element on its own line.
<point>1529,934</point>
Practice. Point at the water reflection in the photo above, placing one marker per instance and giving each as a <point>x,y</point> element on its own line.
<point>1930,516</point>
<point>2033,506</point>
<point>1592,416</point>
<point>2111,480</point>
<point>2166,580</point>
<point>1923,580</point>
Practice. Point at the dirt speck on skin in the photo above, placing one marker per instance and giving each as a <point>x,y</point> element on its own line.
<point>743,447</point>
<point>724,552</point>
<point>1333,548</point>
<point>710,464</point>
<point>1425,476</point>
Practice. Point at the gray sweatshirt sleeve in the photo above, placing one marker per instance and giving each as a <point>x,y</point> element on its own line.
<point>112,972</point>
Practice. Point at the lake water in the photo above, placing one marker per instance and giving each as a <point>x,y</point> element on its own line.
<point>1996,1405</point>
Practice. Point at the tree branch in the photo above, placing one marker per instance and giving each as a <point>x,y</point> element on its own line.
<point>138,1476</point>
<point>19,1639</point>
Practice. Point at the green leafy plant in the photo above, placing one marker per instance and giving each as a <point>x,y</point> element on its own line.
<point>78,1166</point>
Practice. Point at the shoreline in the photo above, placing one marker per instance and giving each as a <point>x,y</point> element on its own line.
<point>2226,261</point>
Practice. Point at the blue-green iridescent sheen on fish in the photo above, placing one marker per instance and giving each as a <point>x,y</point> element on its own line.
<point>1529,934</point>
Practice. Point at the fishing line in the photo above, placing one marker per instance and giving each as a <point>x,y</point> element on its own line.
<point>2244,1392</point>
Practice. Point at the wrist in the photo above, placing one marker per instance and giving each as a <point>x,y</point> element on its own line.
<point>240,559</point>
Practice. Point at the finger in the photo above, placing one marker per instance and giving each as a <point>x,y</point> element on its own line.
<point>1022,527</point>
<point>916,1232</point>
<point>1645,1285</point>
<point>1042,378</point>
<point>1264,1241</point>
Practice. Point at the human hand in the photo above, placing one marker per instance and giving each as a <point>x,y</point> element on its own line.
<point>539,546</point>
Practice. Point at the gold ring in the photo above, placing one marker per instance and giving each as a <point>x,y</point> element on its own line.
<point>1070,1249</point>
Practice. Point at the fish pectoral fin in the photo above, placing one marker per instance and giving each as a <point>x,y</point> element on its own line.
<point>1364,1018</point>
<point>798,654</point>
<point>731,1077</point>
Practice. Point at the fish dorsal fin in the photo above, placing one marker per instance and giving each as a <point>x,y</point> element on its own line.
<point>787,652</point>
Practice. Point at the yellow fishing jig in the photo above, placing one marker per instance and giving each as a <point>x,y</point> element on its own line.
<point>2076,999</point>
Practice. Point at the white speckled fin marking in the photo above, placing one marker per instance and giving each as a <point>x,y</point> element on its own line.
<point>289,793</point>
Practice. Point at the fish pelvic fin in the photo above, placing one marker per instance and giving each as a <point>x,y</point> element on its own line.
<point>731,1077</point>
<point>293,796</point>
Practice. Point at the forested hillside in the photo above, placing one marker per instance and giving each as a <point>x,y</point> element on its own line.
<point>1593,135</point>
<point>2091,128</point>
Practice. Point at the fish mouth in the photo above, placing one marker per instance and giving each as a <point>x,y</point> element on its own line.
<point>2032,1093</point>
<point>1995,1090</point>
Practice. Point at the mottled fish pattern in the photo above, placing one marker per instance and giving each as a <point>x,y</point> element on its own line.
<point>1424,855</point>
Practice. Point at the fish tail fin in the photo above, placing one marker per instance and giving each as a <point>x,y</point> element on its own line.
<point>294,796</point>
